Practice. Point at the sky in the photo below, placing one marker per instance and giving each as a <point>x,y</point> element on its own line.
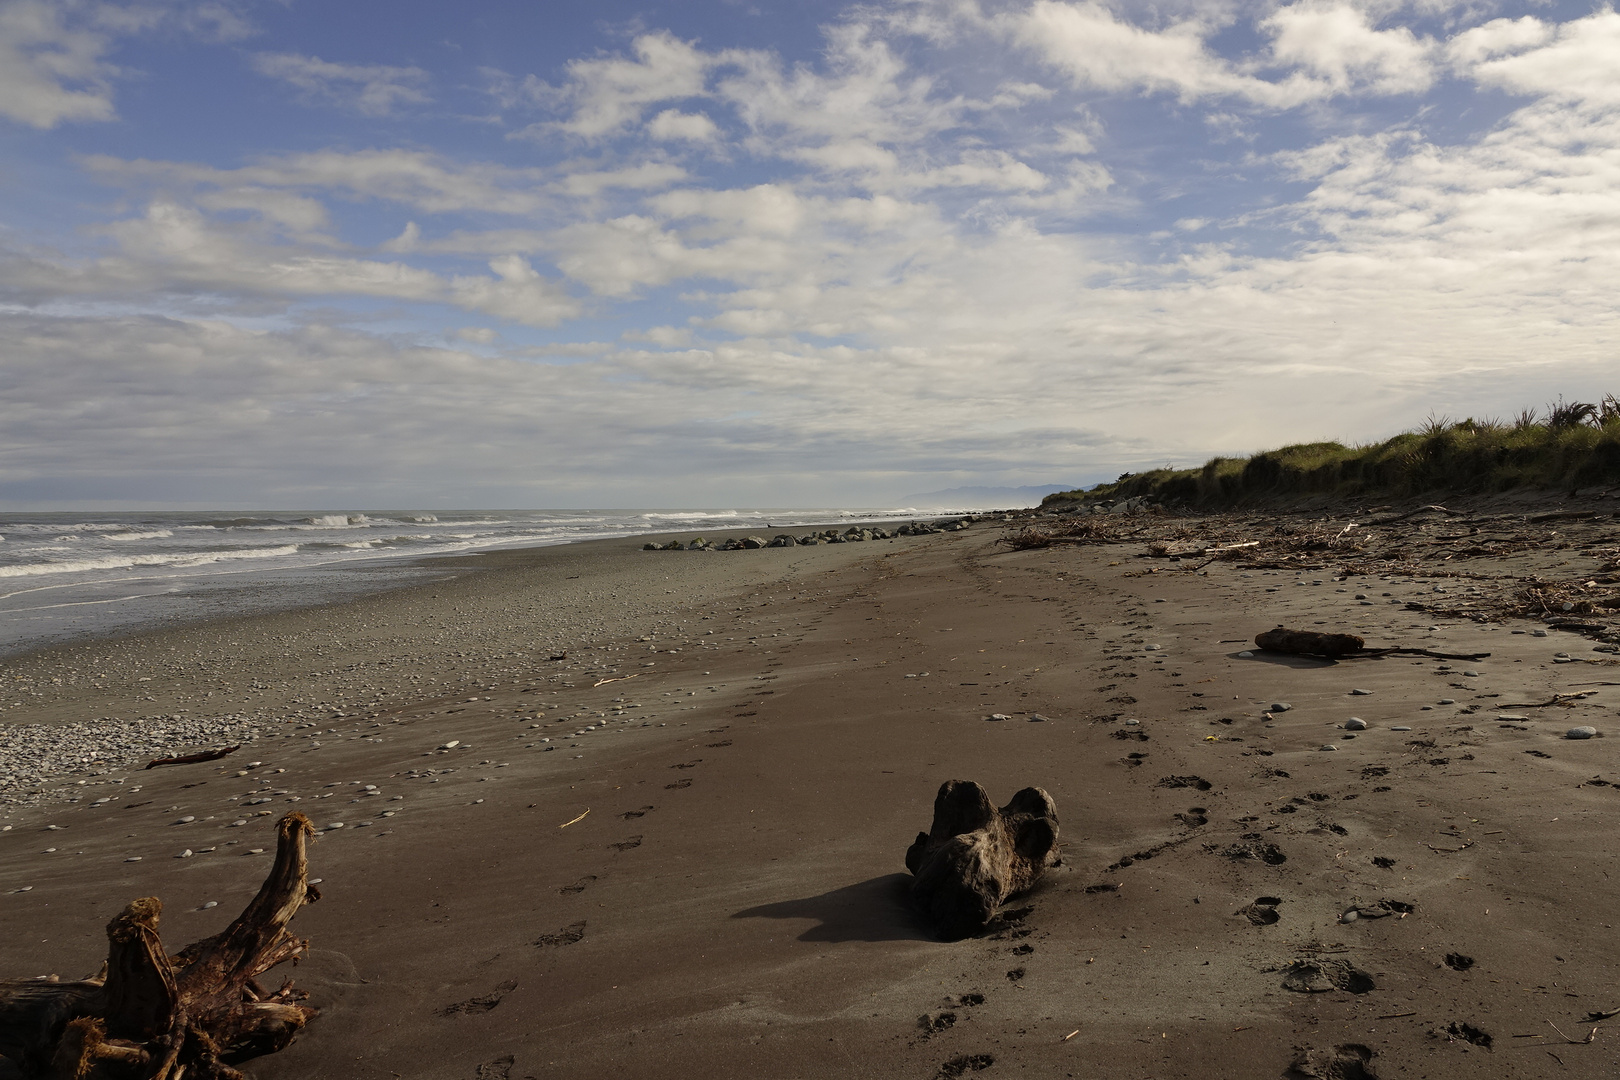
<point>394,253</point>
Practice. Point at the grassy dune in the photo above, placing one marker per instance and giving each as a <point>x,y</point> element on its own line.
<point>1566,446</point>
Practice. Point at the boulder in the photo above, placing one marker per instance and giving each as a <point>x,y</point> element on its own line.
<point>975,856</point>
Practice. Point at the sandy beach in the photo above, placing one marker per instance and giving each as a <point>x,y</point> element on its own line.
<point>678,848</point>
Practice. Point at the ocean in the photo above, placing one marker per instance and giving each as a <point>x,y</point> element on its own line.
<point>66,576</point>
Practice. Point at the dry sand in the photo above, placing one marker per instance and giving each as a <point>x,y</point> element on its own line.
<point>711,882</point>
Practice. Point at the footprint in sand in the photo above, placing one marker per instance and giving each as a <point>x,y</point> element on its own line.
<point>629,815</point>
<point>627,845</point>
<point>577,887</point>
<point>568,935</point>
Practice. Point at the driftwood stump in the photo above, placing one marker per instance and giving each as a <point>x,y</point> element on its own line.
<point>1309,642</point>
<point>152,1016</point>
<point>976,856</point>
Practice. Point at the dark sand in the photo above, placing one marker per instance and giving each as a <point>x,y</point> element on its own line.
<point>732,904</point>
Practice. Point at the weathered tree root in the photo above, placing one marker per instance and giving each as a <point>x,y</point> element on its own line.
<point>152,1016</point>
<point>976,856</point>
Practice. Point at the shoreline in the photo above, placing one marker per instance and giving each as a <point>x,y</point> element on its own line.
<point>222,593</point>
<point>697,866</point>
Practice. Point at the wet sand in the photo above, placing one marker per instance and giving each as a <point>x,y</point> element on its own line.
<point>711,880</point>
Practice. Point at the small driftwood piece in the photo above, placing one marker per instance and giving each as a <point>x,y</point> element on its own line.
<point>191,759</point>
<point>1341,646</point>
<point>152,1016</point>
<point>976,856</point>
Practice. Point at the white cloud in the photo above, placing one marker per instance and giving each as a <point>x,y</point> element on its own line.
<point>672,125</point>
<point>1325,48</point>
<point>430,182</point>
<point>478,335</point>
<point>1496,38</point>
<point>1580,62</point>
<point>1335,42</point>
<point>51,72</point>
<point>647,175</point>
<point>370,89</point>
<point>607,94</point>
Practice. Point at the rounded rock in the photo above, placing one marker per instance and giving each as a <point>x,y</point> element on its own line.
<point>1327,746</point>
<point>1355,723</point>
<point>1582,732</point>
<point>1280,706</point>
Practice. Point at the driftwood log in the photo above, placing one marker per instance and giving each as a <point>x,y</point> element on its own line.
<point>151,1016</point>
<point>976,856</point>
<point>1339,646</point>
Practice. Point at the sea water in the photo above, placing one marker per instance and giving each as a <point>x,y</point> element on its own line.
<point>68,576</point>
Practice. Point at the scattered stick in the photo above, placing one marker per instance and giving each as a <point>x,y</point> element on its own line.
<point>188,759</point>
<point>1070,1035</point>
<point>1397,1016</point>
<point>1450,851</point>
<point>621,678</point>
<point>1556,699</point>
<point>1590,1035</point>
<point>581,817</point>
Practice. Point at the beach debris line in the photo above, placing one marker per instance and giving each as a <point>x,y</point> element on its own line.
<point>975,856</point>
<point>149,1015</point>
<point>1341,646</point>
<point>191,759</point>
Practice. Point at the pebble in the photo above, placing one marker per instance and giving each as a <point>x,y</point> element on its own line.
<point>1245,655</point>
<point>211,904</point>
<point>1132,723</point>
<point>1350,916</point>
<point>1514,718</point>
<point>1355,723</point>
<point>186,854</point>
<point>1448,701</point>
<point>1036,718</point>
<point>451,745</point>
<point>1471,674</point>
<point>133,858</point>
<point>1280,706</point>
<point>1538,633</point>
<point>1327,746</point>
<point>998,716</point>
<point>335,825</point>
<point>1582,732</point>
<point>1400,727</point>
<point>189,818</point>
<point>1358,692</point>
<point>1154,648</point>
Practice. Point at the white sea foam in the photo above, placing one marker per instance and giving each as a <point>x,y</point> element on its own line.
<point>156,534</point>
<point>114,562</point>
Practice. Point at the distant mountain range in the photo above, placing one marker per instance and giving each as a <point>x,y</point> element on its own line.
<point>988,498</point>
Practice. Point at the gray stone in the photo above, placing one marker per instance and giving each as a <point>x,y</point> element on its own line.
<point>1400,727</point>
<point>1448,701</point>
<point>1358,692</point>
<point>1355,723</point>
<point>1280,706</point>
<point>1327,746</point>
<point>1582,732</point>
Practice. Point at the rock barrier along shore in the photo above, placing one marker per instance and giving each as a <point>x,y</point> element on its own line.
<point>851,535</point>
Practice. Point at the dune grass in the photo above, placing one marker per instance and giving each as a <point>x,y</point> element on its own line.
<point>1567,446</point>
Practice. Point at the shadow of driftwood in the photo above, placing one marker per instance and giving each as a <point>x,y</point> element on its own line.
<point>873,910</point>
<point>1288,659</point>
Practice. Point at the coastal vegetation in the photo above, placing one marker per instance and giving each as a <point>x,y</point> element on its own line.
<point>1566,446</point>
